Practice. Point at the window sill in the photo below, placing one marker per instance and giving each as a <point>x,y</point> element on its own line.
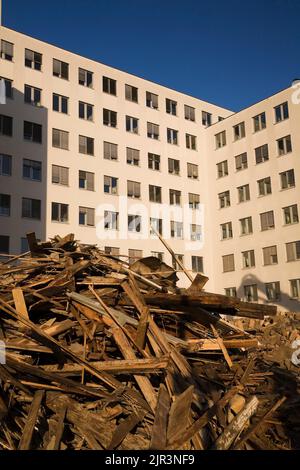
<point>31,179</point>
<point>263,195</point>
<point>292,223</point>
<point>286,189</point>
<point>60,222</point>
<point>83,225</point>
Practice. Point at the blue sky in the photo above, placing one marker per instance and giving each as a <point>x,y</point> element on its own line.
<point>229,52</point>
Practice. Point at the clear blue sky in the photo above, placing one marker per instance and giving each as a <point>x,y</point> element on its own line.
<point>230,52</point>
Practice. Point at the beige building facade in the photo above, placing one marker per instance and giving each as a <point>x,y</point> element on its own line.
<point>90,149</point>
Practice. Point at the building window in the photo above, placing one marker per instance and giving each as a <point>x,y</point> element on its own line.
<point>172,136</point>
<point>86,216</point>
<point>59,212</point>
<point>194,201</point>
<point>86,145</point>
<point>262,154</point>
<point>174,197</point>
<point>133,189</point>
<point>295,288</point>
<point>239,131</point>
<point>290,214</point>
<point>189,113</point>
<point>8,87</point>
<point>192,171</point>
<point>111,220</point>
<point>132,156</point>
<point>220,139</point>
<point>60,139</point>
<point>109,86</point>
<point>171,107</point>
<point>85,78</point>
<point>224,199</point>
<point>226,230</point>
<point>154,193</point>
<point>151,100</point>
<point>270,255</point>
<point>5,205</point>
<point>134,223</point>
<point>155,224</point>
<point>60,175</point>
<point>246,226</point>
<point>222,169</point>
<point>85,111</point>
<point>273,290</point>
<point>264,186</point>
<point>60,69</point>
<point>206,119</point>
<point>86,180</point>
<point>33,59</point>
<point>250,293</point>
<point>110,185</point>
<point>110,151</point>
<point>7,50</point>
<point>132,124</point>
<point>5,165</point>
<point>175,262</point>
<point>293,251</point>
<point>173,166</point>
<point>197,264</point>
<point>284,145</point>
<point>259,122</point>
<point>248,258</point>
<point>281,112</point>
<point>4,244</point>
<point>131,93</point>
<point>109,118</point>
<point>33,132</point>
<point>196,232</point>
<point>112,250</point>
<point>153,161</point>
<point>6,125</point>
<point>244,193</point>
<point>228,263</point>
<point>230,292</point>
<point>191,141</point>
<point>60,103</point>
<point>158,254</point>
<point>31,208</point>
<point>152,131</point>
<point>267,220</point>
<point>176,229</point>
<point>32,95</point>
<point>134,255</point>
<point>241,162</point>
<point>32,170</point>
<point>287,179</point>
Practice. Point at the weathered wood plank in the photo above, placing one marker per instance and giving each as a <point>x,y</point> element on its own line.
<point>32,417</point>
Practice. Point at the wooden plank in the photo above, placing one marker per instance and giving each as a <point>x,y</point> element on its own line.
<point>180,413</point>
<point>198,283</point>
<point>160,425</point>
<point>19,302</point>
<point>124,428</point>
<point>60,427</point>
<point>222,346</point>
<point>143,382</point>
<point>237,425</point>
<point>27,434</point>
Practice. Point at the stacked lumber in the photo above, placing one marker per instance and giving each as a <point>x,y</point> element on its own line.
<point>103,355</point>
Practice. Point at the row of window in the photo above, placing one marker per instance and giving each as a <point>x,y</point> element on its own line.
<point>60,69</point>
<point>284,146</point>
<point>272,291</point>
<point>33,131</point>
<point>270,256</point>
<point>281,113</point>
<point>264,187</point>
<point>267,222</point>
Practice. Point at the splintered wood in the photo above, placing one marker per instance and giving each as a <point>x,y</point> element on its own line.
<point>103,355</point>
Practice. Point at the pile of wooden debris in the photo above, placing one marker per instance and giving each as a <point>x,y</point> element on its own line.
<point>103,355</point>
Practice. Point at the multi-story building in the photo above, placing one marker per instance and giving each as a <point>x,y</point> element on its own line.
<point>93,150</point>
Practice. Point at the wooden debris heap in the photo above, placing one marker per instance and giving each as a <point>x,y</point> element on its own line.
<point>102,355</point>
